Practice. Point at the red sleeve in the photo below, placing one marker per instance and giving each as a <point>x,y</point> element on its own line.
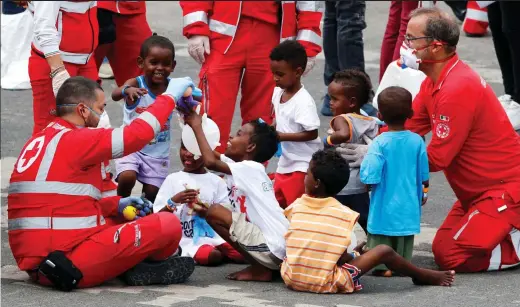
<point>94,146</point>
<point>420,122</point>
<point>195,17</point>
<point>452,123</point>
<point>309,15</point>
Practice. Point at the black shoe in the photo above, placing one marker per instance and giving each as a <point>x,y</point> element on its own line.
<point>173,270</point>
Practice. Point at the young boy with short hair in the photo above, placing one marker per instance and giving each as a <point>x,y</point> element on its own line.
<point>319,233</point>
<point>150,165</point>
<point>257,226</point>
<point>396,167</point>
<point>296,120</point>
<point>349,91</point>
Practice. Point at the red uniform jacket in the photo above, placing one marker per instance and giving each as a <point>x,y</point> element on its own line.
<point>473,141</point>
<point>55,196</point>
<point>219,20</point>
<point>124,7</point>
<point>68,28</point>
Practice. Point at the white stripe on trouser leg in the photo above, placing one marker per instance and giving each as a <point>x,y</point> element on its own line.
<point>222,27</point>
<point>496,258</point>
<point>110,193</point>
<point>191,18</point>
<point>515,239</point>
<point>48,157</point>
<point>309,6</point>
<point>287,38</point>
<point>476,15</point>
<point>309,36</point>
<point>118,144</point>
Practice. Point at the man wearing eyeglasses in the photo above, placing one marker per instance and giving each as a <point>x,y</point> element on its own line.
<point>473,143</point>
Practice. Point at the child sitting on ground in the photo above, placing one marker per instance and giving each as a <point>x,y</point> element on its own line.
<point>349,91</point>
<point>396,166</point>
<point>149,165</point>
<point>319,233</point>
<point>177,191</point>
<point>256,227</point>
<point>296,121</point>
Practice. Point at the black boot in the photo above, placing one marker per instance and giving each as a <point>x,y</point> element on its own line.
<point>173,270</point>
<point>458,8</point>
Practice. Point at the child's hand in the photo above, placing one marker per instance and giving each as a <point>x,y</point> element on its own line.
<point>360,248</point>
<point>201,210</point>
<point>133,93</point>
<point>186,197</point>
<point>193,119</point>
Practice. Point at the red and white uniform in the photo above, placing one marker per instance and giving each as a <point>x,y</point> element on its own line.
<point>475,145</point>
<point>67,28</point>
<point>132,30</point>
<point>242,35</point>
<point>56,200</point>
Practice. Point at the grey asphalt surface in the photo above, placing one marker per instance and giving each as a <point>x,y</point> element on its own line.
<point>208,286</point>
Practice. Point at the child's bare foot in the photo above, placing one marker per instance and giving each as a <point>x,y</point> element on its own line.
<point>252,273</point>
<point>382,273</point>
<point>435,278</point>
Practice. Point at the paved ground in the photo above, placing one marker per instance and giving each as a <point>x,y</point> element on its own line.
<point>207,286</point>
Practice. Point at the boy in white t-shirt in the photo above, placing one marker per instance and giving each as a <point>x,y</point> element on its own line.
<point>296,120</point>
<point>257,225</point>
<point>179,189</point>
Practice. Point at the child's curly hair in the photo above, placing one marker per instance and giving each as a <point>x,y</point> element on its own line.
<point>329,167</point>
<point>357,80</point>
<point>266,140</point>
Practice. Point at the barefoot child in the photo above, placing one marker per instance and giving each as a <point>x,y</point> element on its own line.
<point>175,194</point>
<point>149,165</point>
<point>319,233</point>
<point>256,226</point>
<point>296,118</point>
<point>396,166</point>
<point>348,91</point>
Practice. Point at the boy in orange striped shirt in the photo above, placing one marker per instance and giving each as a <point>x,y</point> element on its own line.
<point>319,233</point>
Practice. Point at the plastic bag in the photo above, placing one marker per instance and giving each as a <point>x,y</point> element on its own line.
<point>17,35</point>
<point>407,78</point>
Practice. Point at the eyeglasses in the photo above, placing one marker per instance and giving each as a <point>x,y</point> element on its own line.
<point>409,39</point>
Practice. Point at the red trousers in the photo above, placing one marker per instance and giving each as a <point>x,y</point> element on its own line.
<point>288,187</point>
<point>101,257</point>
<point>131,32</point>
<point>203,253</point>
<point>394,34</point>
<point>478,239</point>
<point>44,102</point>
<point>246,65</point>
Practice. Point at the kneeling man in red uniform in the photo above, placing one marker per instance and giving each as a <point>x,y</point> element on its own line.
<point>56,208</point>
<point>473,143</point>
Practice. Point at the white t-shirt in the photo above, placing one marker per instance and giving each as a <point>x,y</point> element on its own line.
<point>213,190</point>
<point>251,192</point>
<point>298,114</point>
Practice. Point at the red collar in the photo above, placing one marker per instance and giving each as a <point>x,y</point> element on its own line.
<point>450,64</point>
<point>60,121</point>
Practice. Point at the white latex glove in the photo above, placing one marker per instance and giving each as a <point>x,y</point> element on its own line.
<point>310,65</point>
<point>197,46</point>
<point>58,80</point>
<point>354,153</point>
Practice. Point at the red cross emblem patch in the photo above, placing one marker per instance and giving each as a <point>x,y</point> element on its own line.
<point>442,130</point>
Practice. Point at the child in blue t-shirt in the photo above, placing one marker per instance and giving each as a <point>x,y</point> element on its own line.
<point>396,166</point>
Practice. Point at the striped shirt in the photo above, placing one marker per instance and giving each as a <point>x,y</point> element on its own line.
<point>319,233</point>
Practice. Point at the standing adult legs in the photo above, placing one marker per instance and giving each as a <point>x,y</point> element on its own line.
<point>330,50</point>
<point>390,37</point>
<point>511,28</point>
<point>501,45</point>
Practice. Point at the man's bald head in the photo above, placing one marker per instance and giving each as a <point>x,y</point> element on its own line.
<point>438,25</point>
